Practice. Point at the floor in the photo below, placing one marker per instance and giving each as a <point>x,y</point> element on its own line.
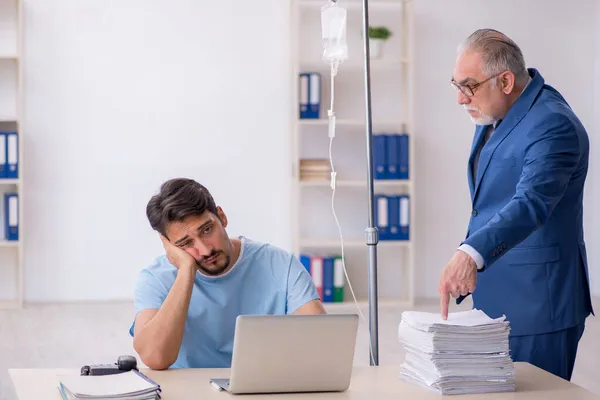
<point>72,335</point>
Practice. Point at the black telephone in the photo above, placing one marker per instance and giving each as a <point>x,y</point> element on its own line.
<point>123,364</point>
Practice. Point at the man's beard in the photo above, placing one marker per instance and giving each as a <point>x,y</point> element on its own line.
<point>482,119</point>
<point>216,268</point>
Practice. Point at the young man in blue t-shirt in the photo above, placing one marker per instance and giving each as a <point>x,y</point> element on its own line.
<point>187,301</point>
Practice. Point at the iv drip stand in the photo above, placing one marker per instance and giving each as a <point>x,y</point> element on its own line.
<point>371,233</point>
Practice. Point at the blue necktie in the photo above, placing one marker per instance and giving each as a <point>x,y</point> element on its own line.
<point>489,130</point>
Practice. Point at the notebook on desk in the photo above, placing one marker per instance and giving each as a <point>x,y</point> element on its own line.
<point>291,353</point>
<point>131,385</point>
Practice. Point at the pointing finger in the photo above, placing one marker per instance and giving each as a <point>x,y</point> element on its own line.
<point>444,301</point>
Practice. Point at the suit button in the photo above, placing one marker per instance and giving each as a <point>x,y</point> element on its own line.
<point>474,213</point>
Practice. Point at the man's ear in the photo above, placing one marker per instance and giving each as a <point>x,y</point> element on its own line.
<point>507,82</point>
<point>222,216</point>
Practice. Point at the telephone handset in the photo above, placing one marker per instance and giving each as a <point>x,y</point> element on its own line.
<point>123,364</point>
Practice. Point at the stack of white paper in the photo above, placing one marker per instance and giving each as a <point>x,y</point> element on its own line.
<point>131,385</point>
<point>466,354</point>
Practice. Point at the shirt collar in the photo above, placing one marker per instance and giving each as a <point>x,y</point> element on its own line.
<point>522,91</point>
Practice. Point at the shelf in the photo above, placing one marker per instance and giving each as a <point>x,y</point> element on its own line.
<point>354,64</point>
<point>355,243</point>
<point>352,122</point>
<point>358,183</point>
<point>355,4</point>
<point>9,181</point>
<point>13,304</point>
<point>11,102</point>
<point>391,113</point>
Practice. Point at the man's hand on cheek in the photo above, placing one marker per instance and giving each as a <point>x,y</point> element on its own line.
<point>177,256</point>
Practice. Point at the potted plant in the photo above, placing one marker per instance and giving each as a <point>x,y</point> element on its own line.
<point>377,36</point>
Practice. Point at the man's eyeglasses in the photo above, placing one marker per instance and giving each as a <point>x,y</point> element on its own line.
<point>469,90</point>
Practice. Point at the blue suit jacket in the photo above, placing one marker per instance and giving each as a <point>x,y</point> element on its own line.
<point>527,218</point>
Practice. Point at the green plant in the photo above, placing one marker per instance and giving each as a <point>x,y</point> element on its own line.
<point>379,32</point>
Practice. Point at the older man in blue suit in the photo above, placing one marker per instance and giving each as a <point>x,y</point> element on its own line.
<point>524,255</point>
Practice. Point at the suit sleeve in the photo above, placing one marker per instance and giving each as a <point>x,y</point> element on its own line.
<point>549,162</point>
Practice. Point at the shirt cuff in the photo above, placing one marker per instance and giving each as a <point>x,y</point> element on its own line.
<point>474,255</point>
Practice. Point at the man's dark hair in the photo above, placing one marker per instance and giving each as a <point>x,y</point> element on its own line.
<point>176,200</point>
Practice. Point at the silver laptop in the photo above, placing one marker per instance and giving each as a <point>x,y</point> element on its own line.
<point>291,354</point>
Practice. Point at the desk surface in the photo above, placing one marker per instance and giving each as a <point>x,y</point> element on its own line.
<point>368,383</point>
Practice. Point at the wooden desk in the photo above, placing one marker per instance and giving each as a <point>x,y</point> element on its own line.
<point>368,383</point>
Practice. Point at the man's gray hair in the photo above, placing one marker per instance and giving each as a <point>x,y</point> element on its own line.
<point>499,53</point>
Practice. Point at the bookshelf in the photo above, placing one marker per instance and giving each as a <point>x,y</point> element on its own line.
<point>315,232</point>
<point>11,120</point>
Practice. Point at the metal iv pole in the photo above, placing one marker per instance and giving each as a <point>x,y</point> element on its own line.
<point>371,233</point>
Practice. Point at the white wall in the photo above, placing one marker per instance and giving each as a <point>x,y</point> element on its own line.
<point>159,89</point>
<point>564,56</point>
<point>123,96</point>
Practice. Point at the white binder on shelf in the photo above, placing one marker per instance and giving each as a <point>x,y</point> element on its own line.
<point>382,216</point>
<point>11,216</point>
<point>303,82</point>
<point>314,94</point>
<point>12,155</point>
<point>404,217</point>
<point>3,155</point>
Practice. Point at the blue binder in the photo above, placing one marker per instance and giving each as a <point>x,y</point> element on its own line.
<point>314,96</point>
<point>328,271</point>
<point>403,157</point>
<point>11,216</point>
<point>305,260</point>
<point>12,155</point>
<point>380,208</point>
<point>394,217</point>
<point>303,84</point>
<point>3,154</point>
<point>380,156</point>
<point>393,156</point>
<point>404,217</point>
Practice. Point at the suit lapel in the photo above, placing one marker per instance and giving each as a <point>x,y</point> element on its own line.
<point>514,116</point>
<point>479,134</point>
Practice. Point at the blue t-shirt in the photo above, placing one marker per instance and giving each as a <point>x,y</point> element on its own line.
<point>264,280</point>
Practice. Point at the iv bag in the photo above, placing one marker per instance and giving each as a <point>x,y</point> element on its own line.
<point>333,29</point>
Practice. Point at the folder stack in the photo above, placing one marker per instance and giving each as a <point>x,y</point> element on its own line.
<point>130,385</point>
<point>309,93</point>
<point>9,155</point>
<point>315,169</point>
<point>391,154</point>
<point>392,216</point>
<point>466,354</point>
<point>327,273</point>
